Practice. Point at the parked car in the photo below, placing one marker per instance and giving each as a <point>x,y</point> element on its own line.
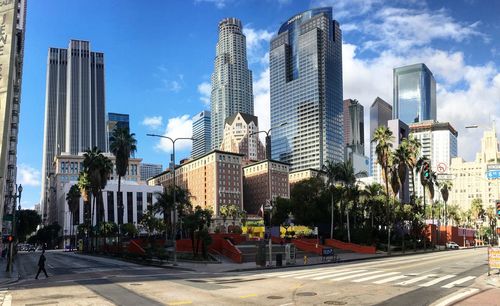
<point>452,245</point>
<point>31,248</point>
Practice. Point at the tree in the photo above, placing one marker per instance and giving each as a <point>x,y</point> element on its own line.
<point>197,222</point>
<point>402,157</point>
<point>27,222</point>
<point>129,230</point>
<point>122,145</point>
<point>330,169</point>
<point>445,192</point>
<point>371,194</point>
<point>165,205</point>
<point>413,146</point>
<point>73,200</point>
<point>151,223</point>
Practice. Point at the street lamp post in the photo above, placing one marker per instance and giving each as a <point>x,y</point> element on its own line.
<point>268,157</point>
<point>172,167</point>
<point>13,197</point>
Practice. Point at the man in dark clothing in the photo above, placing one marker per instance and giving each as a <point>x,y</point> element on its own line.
<point>41,265</point>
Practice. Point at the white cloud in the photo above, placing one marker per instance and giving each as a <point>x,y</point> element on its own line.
<point>181,126</point>
<point>153,122</point>
<point>28,176</point>
<point>205,89</point>
<point>172,85</point>
<point>262,105</point>
<point>257,44</point>
<point>218,3</point>
<point>344,8</point>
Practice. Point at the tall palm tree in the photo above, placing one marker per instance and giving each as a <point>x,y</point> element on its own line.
<point>73,200</point>
<point>331,172</point>
<point>123,144</point>
<point>165,205</point>
<point>413,146</point>
<point>402,157</point>
<point>445,192</point>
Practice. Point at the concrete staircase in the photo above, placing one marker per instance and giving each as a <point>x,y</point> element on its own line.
<point>248,250</point>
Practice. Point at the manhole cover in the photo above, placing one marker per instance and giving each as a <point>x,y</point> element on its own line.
<point>274,297</point>
<point>135,284</point>
<point>306,293</point>
<point>335,302</point>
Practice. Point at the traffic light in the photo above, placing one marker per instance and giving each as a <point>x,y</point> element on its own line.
<point>426,169</point>
<point>498,209</point>
<point>10,238</point>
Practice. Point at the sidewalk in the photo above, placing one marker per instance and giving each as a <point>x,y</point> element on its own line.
<point>5,277</point>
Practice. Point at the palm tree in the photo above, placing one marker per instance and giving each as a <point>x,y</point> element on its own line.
<point>370,193</point>
<point>73,200</point>
<point>122,145</point>
<point>165,205</point>
<point>413,146</point>
<point>402,157</point>
<point>445,192</point>
<point>331,172</point>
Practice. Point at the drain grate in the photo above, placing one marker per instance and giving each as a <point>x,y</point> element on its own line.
<point>274,297</point>
<point>306,294</point>
<point>335,303</point>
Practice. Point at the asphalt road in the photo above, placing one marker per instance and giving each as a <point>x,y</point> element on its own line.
<point>409,280</point>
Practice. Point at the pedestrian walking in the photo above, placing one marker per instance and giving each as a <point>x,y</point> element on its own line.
<point>41,265</point>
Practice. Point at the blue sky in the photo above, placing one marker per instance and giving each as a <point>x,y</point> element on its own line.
<point>159,57</point>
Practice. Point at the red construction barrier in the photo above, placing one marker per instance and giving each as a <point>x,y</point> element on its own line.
<point>363,249</point>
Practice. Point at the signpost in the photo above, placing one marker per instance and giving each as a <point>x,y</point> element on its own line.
<point>493,258</point>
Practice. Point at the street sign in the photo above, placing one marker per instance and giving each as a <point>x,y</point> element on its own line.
<point>493,167</point>
<point>441,167</point>
<point>444,177</point>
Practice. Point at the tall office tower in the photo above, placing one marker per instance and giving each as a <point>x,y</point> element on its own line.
<point>306,91</point>
<point>238,137</point>
<point>13,27</point>
<point>74,107</point>
<point>354,126</point>
<point>113,121</point>
<point>380,114</point>
<point>414,94</point>
<point>150,170</point>
<point>201,134</point>
<point>231,80</point>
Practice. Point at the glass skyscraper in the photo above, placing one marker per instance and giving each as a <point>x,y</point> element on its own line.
<point>306,90</point>
<point>414,94</point>
<point>116,120</point>
<point>201,134</point>
<point>231,80</point>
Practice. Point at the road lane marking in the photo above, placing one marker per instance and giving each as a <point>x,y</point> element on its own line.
<point>247,296</point>
<point>7,301</point>
<point>179,303</point>
<point>320,273</point>
<point>337,274</point>
<point>437,280</point>
<point>364,279</point>
<point>353,276</point>
<point>390,279</point>
<point>457,296</point>
<point>295,274</point>
<point>287,304</point>
<point>458,282</point>
<point>416,279</point>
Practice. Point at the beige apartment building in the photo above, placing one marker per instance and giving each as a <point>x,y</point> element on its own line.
<point>261,179</point>
<point>301,175</point>
<point>214,179</point>
<point>238,137</point>
<point>471,180</point>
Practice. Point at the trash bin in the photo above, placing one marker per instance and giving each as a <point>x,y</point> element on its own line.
<point>279,260</point>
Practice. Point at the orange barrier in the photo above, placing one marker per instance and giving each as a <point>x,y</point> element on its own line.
<point>363,249</point>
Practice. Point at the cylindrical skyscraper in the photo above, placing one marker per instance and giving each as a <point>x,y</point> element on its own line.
<point>231,80</point>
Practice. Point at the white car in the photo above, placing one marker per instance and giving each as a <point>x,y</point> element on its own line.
<point>451,245</point>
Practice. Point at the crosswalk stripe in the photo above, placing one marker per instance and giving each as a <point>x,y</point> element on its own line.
<point>337,274</point>
<point>320,273</point>
<point>458,282</point>
<point>437,280</point>
<point>364,279</point>
<point>354,275</point>
<point>295,274</point>
<point>416,279</point>
<point>390,279</point>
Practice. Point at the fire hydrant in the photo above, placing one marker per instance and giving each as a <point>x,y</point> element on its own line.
<point>305,259</point>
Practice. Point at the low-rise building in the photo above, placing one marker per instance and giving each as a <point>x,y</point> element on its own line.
<point>150,170</point>
<point>261,179</point>
<point>301,175</point>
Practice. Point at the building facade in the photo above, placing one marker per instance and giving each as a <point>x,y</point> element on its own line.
<point>214,179</point>
<point>474,180</point>
<point>67,167</point>
<point>232,80</point>
<point>238,137</point>
<point>414,94</point>
<point>150,170</point>
<point>306,91</point>
<point>439,145</point>
<point>74,106</point>
<point>301,175</point>
<point>202,138</point>
<point>262,179</point>
<point>354,126</point>
<point>114,120</point>
<point>11,72</point>
<point>380,114</point>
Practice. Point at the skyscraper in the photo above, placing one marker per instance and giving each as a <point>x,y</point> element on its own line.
<point>11,70</point>
<point>380,114</point>
<point>354,126</point>
<point>414,94</point>
<point>201,134</point>
<point>74,106</point>
<point>150,170</point>
<point>306,90</point>
<point>231,80</point>
<point>113,121</point>
<point>238,137</point>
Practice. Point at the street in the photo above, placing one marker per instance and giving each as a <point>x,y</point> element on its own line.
<point>405,280</point>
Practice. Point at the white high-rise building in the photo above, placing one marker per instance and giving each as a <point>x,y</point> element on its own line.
<point>231,79</point>
<point>201,134</point>
<point>439,145</point>
<point>74,107</point>
<point>150,170</point>
<point>380,114</point>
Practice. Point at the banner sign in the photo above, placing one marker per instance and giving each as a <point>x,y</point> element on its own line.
<point>494,257</point>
